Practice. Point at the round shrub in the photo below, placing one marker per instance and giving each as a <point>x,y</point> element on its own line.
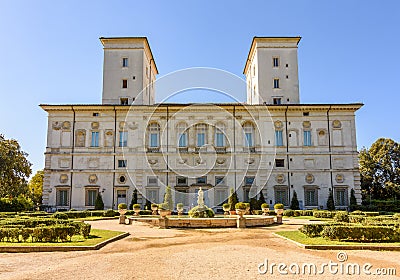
<point>288,213</point>
<point>279,206</point>
<point>241,206</point>
<point>264,205</point>
<point>110,213</point>
<point>60,216</point>
<point>195,213</point>
<point>341,217</point>
<point>135,206</point>
<point>122,206</point>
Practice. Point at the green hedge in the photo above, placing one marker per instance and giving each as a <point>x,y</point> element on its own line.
<point>341,217</point>
<point>312,230</point>
<point>55,233</point>
<point>324,214</point>
<point>361,233</point>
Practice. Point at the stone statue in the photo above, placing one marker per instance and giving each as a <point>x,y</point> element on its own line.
<point>200,199</point>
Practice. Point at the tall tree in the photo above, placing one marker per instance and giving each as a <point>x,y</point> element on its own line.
<point>233,199</point>
<point>35,187</point>
<point>14,168</point>
<point>168,198</point>
<point>294,205</point>
<point>380,169</point>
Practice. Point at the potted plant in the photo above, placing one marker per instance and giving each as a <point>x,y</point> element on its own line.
<point>122,209</point>
<point>265,209</point>
<point>226,207</point>
<point>247,208</point>
<point>136,208</point>
<point>179,207</point>
<point>279,209</point>
<point>240,208</point>
<point>163,210</point>
<point>154,208</point>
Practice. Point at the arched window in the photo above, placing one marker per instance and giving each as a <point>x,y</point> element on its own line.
<point>220,135</point>
<point>154,135</point>
<point>182,135</point>
<point>248,130</point>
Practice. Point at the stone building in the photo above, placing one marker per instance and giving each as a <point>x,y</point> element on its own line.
<point>271,144</point>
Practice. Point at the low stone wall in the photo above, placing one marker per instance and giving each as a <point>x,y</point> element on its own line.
<point>172,222</point>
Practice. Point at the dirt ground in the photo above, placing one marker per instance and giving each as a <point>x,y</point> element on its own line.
<point>153,253</point>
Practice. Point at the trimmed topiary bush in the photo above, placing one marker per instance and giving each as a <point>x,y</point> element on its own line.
<point>195,213</point>
<point>330,204</point>
<point>99,204</point>
<point>288,213</point>
<point>341,216</point>
<point>233,199</point>
<point>294,205</point>
<point>241,206</point>
<point>60,215</point>
<point>279,206</point>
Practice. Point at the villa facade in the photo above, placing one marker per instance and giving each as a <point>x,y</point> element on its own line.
<point>271,144</point>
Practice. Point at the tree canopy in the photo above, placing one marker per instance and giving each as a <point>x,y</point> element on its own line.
<point>35,186</point>
<point>14,168</point>
<point>380,169</point>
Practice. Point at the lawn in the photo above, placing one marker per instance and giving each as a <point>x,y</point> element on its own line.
<point>96,236</point>
<point>95,218</point>
<point>305,240</point>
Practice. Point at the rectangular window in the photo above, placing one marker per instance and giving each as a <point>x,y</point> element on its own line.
<point>249,139</point>
<point>307,138</point>
<point>279,163</point>
<point>281,196</point>
<point>124,62</point>
<point>124,83</point>
<point>152,196</point>
<point>152,181</point>
<point>123,101</point>
<point>95,114</point>
<point>91,197</point>
<point>201,180</point>
<point>220,197</point>
<point>201,139</point>
<point>182,140</point>
<point>341,197</point>
<point>219,139</point>
<point>123,138</point>
<point>219,180</point>
<point>153,140</point>
<point>277,101</point>
<point>121,163</point>
<point>275,61</point>
<point>311,197</point>
<point>276,83</point>
<point>62,197</point>
<point>248,181</point>
<point>278,138</point>
<point>181,181</point>
<point>95,139</point>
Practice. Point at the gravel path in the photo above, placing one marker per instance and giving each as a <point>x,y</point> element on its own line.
<point>152,253</point>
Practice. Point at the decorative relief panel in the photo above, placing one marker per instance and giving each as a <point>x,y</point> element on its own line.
<point>278,124</point>
<point>95,125</point>
<point>92,178</point>
<point>306,124</point>
<point>336,124</point>
<point>63,178</point>
<point>339,178</point>
<point>310,178</point>
<point>66,125</point>
<point>280,178</point>
<point>80,138</point>
<point>56,125</point>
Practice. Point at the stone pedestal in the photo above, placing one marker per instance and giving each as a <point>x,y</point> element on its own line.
<point>279,219</point>
<point>122,219</point>
<point>163,222</point>
<point>241,222</point>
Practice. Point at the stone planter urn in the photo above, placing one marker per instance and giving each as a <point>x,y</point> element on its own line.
<point>154,208</point>
<point>137,211</point>
<point>265,211</point>
<point>279,212</point>
<point>122,211</point>
<point>226,207</point>
<point>179,208</point>
<point>240,212</point>
<point>163,213</point>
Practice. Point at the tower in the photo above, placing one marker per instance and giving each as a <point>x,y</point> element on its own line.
<point>129,70</point>
<point>271,71</point>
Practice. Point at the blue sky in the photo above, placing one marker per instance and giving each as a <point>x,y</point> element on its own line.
<point>50,53</point>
